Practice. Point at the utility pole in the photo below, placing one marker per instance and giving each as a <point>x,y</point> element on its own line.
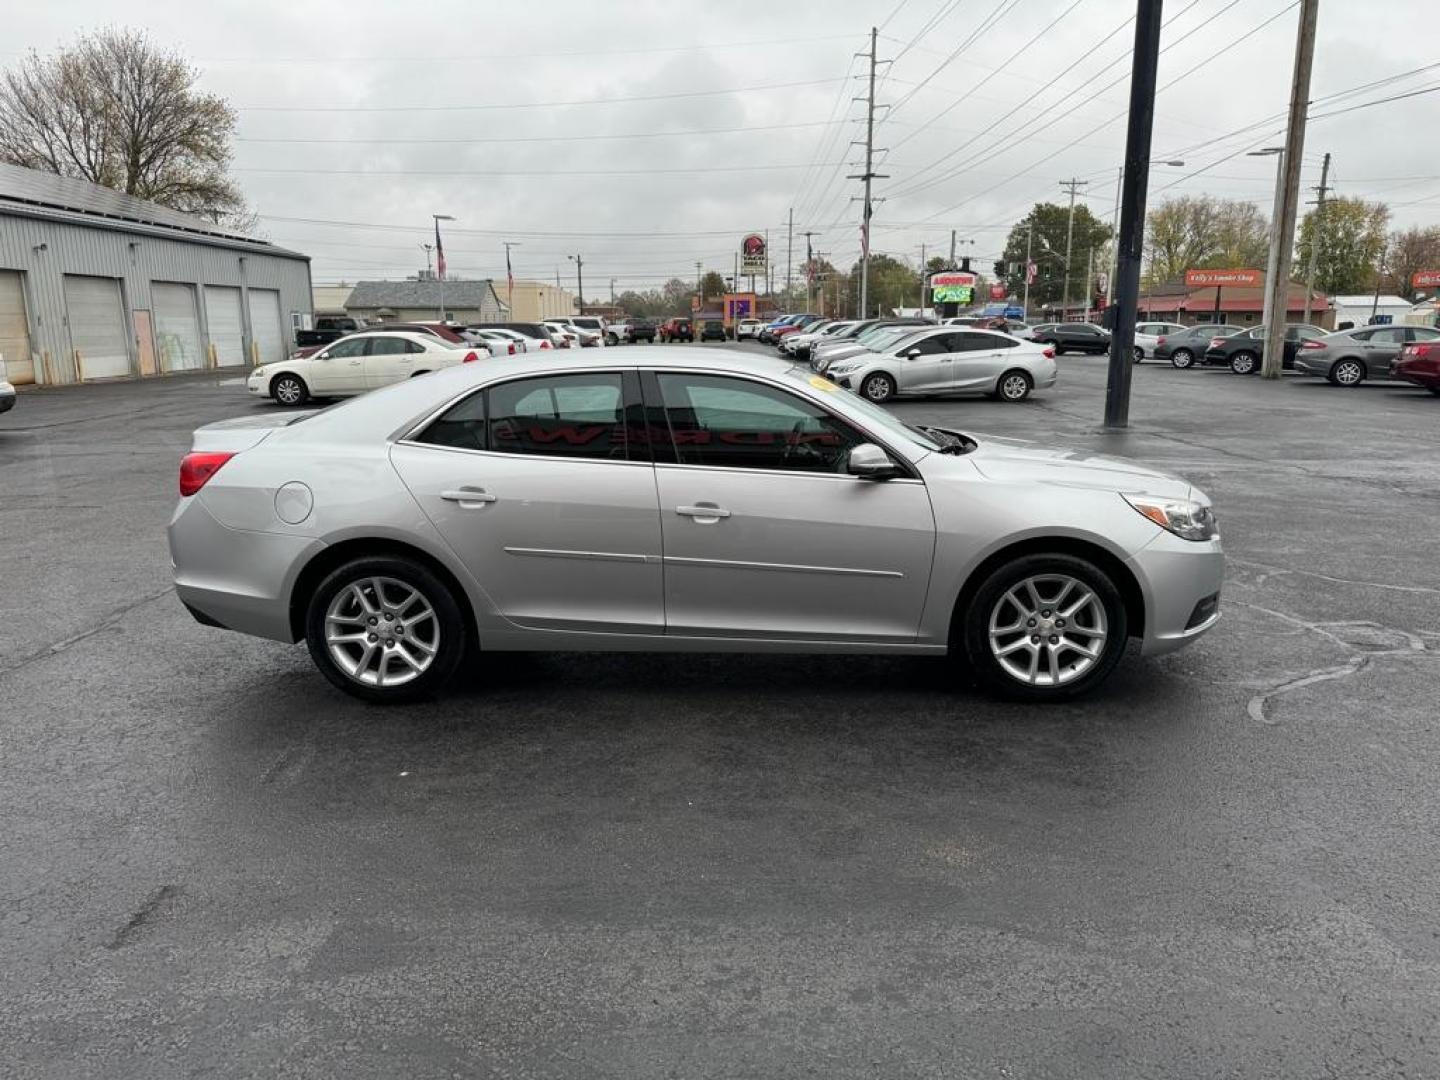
<point>789,255</point>
<point>1073,186</point>
<point>1277,290</point>
<point>922,279</point>
<point>429,270</point>
<point>869,175</point>
<point>809,270</point>
<point>580,281</point>
<point>953,263</point>
<point>612,292</point>
<point>1319,224</point>
<point>700,284</point>
<point>1143,69</point>
<point>769,286</point>
<point>1029,247</point>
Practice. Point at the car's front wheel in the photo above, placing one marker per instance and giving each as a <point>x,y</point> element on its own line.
<point>385,629</point>
<point>878,387</point>
<point>1244,363</point>
<point>289,390</point>
<point>1139,354</point>
<point>1182,359</point>
<point>1044,628</point>
<point>611,339</point>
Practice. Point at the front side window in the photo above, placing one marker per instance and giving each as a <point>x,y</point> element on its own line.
<point>346,348</point>
<point>726,422</point>
<point>930,346</point>
<point>575,416</point>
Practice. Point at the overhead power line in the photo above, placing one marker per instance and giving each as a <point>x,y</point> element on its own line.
<point>531,104</point>
<point>522,172</point>
<point>389,140</point>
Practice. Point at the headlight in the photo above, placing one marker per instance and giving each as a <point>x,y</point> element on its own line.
<point>843,367</point>
<point>257,373</point>
<point>1185,518</point>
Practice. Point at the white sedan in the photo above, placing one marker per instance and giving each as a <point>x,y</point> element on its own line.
<point>1148,335</point>
<point>358,363</point>
<point>948,360</point>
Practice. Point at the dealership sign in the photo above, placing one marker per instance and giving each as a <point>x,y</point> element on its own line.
<point>752,254</point>
<point>1199,279</point>
<point>953,286</point>
<point>1426,279</point>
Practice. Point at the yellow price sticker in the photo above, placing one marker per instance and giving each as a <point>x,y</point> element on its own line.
<point>819,382</point>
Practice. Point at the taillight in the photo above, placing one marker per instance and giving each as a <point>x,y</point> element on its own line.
<point>1419,351</point>
<point>512,348</point>
<point>1050,354</point>
<point>545,344</point>
<point>197,468</point>
<point>470,358</point>
<point>1312,345</point>
<point>1216,342</point>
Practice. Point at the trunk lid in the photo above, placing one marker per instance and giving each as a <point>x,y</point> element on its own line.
<point>243,432</point>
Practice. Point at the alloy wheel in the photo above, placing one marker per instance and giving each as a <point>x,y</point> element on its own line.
<point>1242,363</point>
<point>1182,359</point>
<point>289,391</point>
<point>382,632</point>
<point>1348,373</point>
<point>1014,387</point>
<point>879,388</point>
<point>1048,630</point>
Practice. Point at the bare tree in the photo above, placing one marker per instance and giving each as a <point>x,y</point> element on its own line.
<point>118,110</point>
<point>1203,232</point>
<point>1411,250</point>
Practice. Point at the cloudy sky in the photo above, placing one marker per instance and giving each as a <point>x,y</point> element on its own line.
<point>648,136</point>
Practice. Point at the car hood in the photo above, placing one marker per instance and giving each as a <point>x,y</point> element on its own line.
<point>1017,461</point>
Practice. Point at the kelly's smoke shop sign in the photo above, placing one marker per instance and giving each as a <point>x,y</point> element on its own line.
<point>953,287</point>
<point>1218,279</point>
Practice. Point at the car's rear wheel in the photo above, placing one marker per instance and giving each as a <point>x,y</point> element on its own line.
<point>1182,359</point>
<point>385,629</point>
<point>1044,628</point>
<point>878,387</point>
<point>289,390</point>
<point>1139,354</point>
<point>1244,363</point>
<point>1347,373</point>
<point>1014,386</point>
<point>611,339</point>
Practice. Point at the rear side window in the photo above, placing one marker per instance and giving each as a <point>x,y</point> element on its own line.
<point>577,416</point>
<point>462,426</point>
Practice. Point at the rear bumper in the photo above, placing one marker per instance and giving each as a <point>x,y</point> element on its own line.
<point>239,580</point>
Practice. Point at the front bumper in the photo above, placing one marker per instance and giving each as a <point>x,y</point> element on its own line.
<point>1181,582</point>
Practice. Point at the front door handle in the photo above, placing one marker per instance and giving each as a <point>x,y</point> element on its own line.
<point>703,514</point>
<point>469,498</point>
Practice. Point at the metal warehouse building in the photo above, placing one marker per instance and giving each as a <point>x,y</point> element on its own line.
<point>95,284</point>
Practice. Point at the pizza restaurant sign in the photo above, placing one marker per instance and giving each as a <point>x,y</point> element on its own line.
<point>1426,279</point>
<point>1199,279</point>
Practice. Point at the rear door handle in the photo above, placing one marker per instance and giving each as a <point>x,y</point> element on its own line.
<point>702,513</point>
<point>468,498</point>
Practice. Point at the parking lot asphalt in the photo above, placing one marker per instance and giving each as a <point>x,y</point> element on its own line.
<point>1225,864</point>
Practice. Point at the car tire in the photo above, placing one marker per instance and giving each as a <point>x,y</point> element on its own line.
<point>417,374</point>
<point>1082,652</point>
<point>1139,354</point>
<point>1346,373</point>
<point>358,660</point>
<point>1244,363</point>
<point>611,339</point>
<point>878,387</point>
<point>289,389</point>
<point>1181,359</point>
<point>1014,385</point>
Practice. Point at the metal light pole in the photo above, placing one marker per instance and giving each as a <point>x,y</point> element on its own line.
<point>579,280</point>
<point>1029,247</point>
<point>440,260</point>
<point>429,268</point>
<point>1073,186</point>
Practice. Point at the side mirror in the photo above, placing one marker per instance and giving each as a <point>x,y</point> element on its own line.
<point>912,353</point>
<point>871,462</point>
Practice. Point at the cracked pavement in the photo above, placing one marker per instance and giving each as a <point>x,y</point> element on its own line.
<point>1225,864</point>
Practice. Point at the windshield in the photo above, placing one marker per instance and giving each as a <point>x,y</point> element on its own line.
<point>884,421</point>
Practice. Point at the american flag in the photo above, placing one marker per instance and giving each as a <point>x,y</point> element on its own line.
<point>439,254</point>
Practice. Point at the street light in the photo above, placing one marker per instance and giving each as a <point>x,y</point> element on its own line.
<point>579,279</point>
<point>440,260</point>
<point>1272,260</point>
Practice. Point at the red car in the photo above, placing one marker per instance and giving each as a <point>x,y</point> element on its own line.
<point>1419,363</point>
<point>677,329</point>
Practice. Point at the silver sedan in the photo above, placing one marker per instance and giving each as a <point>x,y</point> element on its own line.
<point>678,502</point>
<point>948,360</point>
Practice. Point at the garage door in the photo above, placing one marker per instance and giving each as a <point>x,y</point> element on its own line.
<point>265,326</point>
<point>227,328</point>
<point>14,333</point>
<point>97,326</point>
<point>177,326</point>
